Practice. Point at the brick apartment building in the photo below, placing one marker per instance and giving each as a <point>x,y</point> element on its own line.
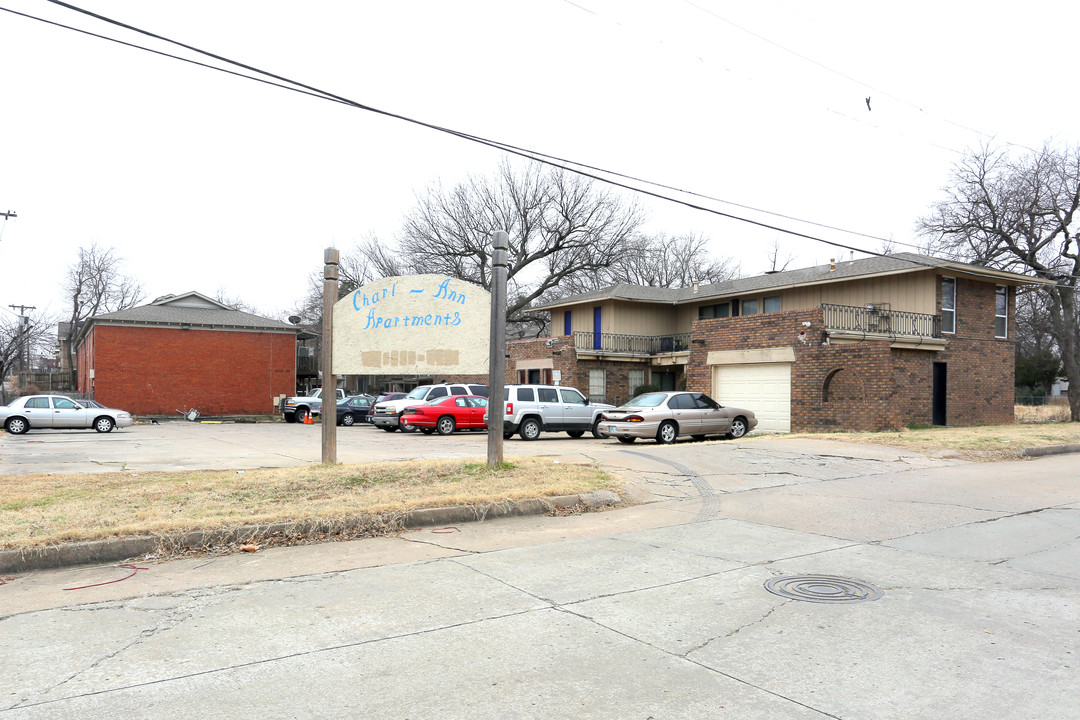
<point>870,344</point>
<point>187,351</point>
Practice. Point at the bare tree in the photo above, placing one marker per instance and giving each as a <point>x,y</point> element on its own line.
<point>94,285</point>
<point>672,262</point>
<point>21,339</point>
<point>562,228</point>
<point>778,262</point>
<point>1019,212</point>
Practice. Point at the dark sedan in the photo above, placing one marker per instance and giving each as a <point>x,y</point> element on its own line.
<point>355,409</point>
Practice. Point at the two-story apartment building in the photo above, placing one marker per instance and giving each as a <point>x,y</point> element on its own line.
<point>869,344</point>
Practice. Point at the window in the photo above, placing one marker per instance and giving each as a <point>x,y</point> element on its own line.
<point>598,383</point>
<point>772,304</point>
<point>637,379</point>
<point>437,392</point>
<point>63,404</point>
<point>1001,312</point>
<point>948,305</point>
<point>479,390</point>
<point>547,395</point>
<point>721,310</point>
<point>526,395</point>
<point>749,307</point>
<point>458,390</point>
<point>681,402</point>
<point>37,403</point>
<point>462,402</point>
<point>703,402</point>
<point>567,325</point>
<point>573,397</point>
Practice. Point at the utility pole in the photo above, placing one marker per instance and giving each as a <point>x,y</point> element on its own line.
<point>24,321</point>
<point>500,241</point>
<point>331,258</point>
<point>9,214</point>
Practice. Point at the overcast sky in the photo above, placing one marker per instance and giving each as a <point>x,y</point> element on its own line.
<point>209,182</point>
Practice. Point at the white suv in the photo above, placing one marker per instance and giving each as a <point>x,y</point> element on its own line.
<point>387,415</point>
<point>532,409</point>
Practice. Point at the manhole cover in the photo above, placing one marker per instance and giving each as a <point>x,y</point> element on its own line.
<point>822,589</point>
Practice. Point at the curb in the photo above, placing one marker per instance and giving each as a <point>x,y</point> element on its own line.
<point>116,549</point>
<point>1050,450</point>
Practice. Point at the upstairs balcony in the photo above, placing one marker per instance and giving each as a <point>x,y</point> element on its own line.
<point>632,346</point>
<point>877,320</point>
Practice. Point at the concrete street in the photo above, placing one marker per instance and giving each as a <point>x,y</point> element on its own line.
<point>656,610</point>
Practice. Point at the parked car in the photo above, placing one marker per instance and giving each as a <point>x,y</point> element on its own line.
<point>293,409</point>
<point>445,415</point>
<point>667,415</point>
<point>355,409</point>
<point>387,414</point>
<point>57,411</point>
<point>389,396</point>
<point>532,409</point>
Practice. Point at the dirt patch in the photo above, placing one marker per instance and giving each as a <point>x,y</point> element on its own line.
<point>41,510</point>
<point>1054,412</point>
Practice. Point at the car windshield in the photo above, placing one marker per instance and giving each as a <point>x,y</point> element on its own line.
<point>418,393</point>
<point>648,400</point>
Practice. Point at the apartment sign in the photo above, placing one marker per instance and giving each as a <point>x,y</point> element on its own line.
<point>413,325</point>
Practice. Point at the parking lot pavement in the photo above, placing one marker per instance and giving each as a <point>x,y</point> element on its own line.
<point>657,610</point>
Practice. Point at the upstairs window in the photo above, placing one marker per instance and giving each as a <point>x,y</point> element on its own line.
<point>720,310</point>
<point>772,304</point>
<point>948,305</point>
<point>1001,312</point>
<point>567,323</point>
<point>750,307</point>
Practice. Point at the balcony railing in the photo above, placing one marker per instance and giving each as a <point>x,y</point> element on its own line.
<point>631,344</point>
<point>869,319</point>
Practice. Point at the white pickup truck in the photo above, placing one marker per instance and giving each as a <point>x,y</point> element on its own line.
<point>294,409</point>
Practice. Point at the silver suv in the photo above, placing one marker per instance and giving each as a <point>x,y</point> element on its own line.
<point>532,409</point>
<point>387,414</point>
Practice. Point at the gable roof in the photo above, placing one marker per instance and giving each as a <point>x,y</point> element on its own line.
<point>189,310</point>
<point>874,266</point>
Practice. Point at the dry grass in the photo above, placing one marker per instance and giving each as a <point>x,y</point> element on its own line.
<point>978,443</point>
<point>1056,412</point>
<point>38,510</point>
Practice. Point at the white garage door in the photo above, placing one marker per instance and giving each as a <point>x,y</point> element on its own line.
<point>763,388</point>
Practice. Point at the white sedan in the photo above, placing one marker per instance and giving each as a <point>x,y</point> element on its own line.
<point>57,411</point>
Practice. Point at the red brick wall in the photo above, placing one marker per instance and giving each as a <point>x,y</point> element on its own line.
<point>981,369</point>
<point>157,371</point>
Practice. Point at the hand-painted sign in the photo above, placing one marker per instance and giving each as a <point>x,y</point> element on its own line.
<point>419,324</point>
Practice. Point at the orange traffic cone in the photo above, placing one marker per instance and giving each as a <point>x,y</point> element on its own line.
<point>307,418</point>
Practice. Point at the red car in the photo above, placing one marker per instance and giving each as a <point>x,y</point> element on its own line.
<point>456,412</point>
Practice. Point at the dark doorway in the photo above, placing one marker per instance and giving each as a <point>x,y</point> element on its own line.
<point>940,391</point>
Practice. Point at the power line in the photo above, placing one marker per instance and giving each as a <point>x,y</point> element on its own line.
<point>543,158</point>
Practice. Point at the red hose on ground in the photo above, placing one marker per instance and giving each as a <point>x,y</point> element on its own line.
<point>132,568</point>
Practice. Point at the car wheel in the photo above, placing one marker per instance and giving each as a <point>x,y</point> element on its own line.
<point>667,433</point>
<point>348,420</point>
<point>575,433</point>
<point>738,428</point>
<point>17,425</point>
<point>530,429</point>
<point>445,425</point>
<point>408,428</point>
<point>627,440</point>
<point>596,429</point>
<point>104,424</point>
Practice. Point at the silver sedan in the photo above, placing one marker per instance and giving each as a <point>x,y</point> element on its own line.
<point>667,415</point>
<point>57,411</point>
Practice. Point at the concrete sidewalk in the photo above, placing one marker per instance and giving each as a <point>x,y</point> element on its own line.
<point>656,610</point>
